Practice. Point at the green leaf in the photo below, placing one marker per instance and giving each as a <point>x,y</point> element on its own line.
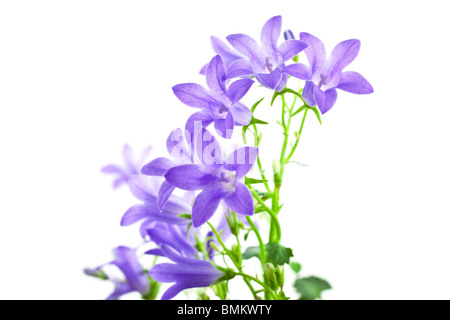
<point>299,110</point>
<point>185,215</point>
<point>277,254</point>
<point>275,95</point>
<point>317,112</point>
<point>257,121</point>
<point>251,252</point>
<point>293,92</point>
<point>295,266</point>
<point>311,288</point>
<point>256,104</point>
<point>254,181</point>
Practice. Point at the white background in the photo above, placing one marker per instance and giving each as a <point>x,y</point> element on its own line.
<point>78,79</point>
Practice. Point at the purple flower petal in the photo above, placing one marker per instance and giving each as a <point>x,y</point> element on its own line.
<point>221,48</point>
<point>198,120</point>
<point>142,189</point>
<point>174,290</point>
<point>282,84</point>
<point>241,161</point>
<point>207,148</point>
<point>240,68</point>
<point>325,100</point>
<point>315,53</point>
<point>164,193</point>
<point>241,114</point>
<point>224,127</point>
<point>353,82</point>
<point>193,95</point>
<point>127,154</point>
<point>127,262</point>
<point>174,139</point>
<point>120,289</point>
<point>241,200</point>
<point>291,48</point>
<point>342,55</point>
<point>308,93</point>
<point>170,236</point>
<point>206,203</point>
<point>134,214</point>
<point>189,177</point>
<point>216,75</point>
<point>298,70</point>
<point>270,33</point>
<point>270,80</point>
<point>113,169</point>
<point>237,90</point>
<point>157,167</point>
<point>245,45</point>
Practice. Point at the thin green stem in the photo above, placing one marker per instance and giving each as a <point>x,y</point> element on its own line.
<point>272,214</point>
<point>258,160</point>
<point>236,263</point>
<point>262,284</point>
<point>262,247</point>
<point>299,133</point>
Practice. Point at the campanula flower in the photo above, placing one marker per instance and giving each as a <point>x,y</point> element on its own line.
<point>224,51</point>
<point>219,103</point>
<point>185,272</point>
<point>323,76</point>
<point>266,62</point>
<point>136,279</point>
<point>218,181</point>
<point>149,211</point>
<point>131,167</point>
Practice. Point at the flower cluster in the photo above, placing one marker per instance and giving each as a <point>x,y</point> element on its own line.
<point>197,197</point>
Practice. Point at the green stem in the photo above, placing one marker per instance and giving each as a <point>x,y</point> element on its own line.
<point>272,214</point>
<point>230,254</point>
<point>298,137</point>
<point>262,284</point>
<point>258,160</point>
<point>262,247</point>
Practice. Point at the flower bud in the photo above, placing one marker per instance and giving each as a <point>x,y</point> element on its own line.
<point>269,274</point>
<point>279,273</point>
<point>276,166</point>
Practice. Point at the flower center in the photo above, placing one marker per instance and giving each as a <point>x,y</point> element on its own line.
<point>268,65</point>
<point>226,178</point>
<point>323,80</point>
<point>222,112</point>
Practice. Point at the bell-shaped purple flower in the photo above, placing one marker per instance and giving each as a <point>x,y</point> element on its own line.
<point>266,61</point>
<point>132,166</point>
<point>224,51</point>
<point>219,103</point>
<point>136,279</point>
<point>149,211</point>
<point>323,76</point>
<point>185,272</point>
<point>218,181</point>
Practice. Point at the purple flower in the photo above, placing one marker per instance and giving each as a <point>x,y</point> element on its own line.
<point>219,105</point>
<point>136,278</point>
<point>149,211</point>
<point>226,53</point>
<point>218,181</point>
<point>185,272</point>
<point>132,166</point>
<point>265,62</point>
<point>324,76</point>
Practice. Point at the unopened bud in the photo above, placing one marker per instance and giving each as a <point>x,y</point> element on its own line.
<point>269,273</point>
<point>276,166</point>
<point>279,273</point>
<point>288,35</point>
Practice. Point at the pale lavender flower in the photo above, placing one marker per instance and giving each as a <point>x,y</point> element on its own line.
<point>218,181</point>
<point>136,279</point>
<point>266,62</point>
<point>219,103</point>
<point>185,272</point>
<point>148,211</point>
<point>323,76</point>
<point>131,166</point>
<point>222,49</point>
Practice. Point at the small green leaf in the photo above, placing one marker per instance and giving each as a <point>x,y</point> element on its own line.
<point>185,215</point>
<point>317,112</point>
<point>254,181</point>
<point>295,266</point>
<point>256,104</point>
<point>299,110</point>
<point>257,121</point>
<point>293,92</point>
<point>277,254</point>
<point>251,252</point>
<point>311,288</point>
<point>275,95</point>
<point>244,130</point>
